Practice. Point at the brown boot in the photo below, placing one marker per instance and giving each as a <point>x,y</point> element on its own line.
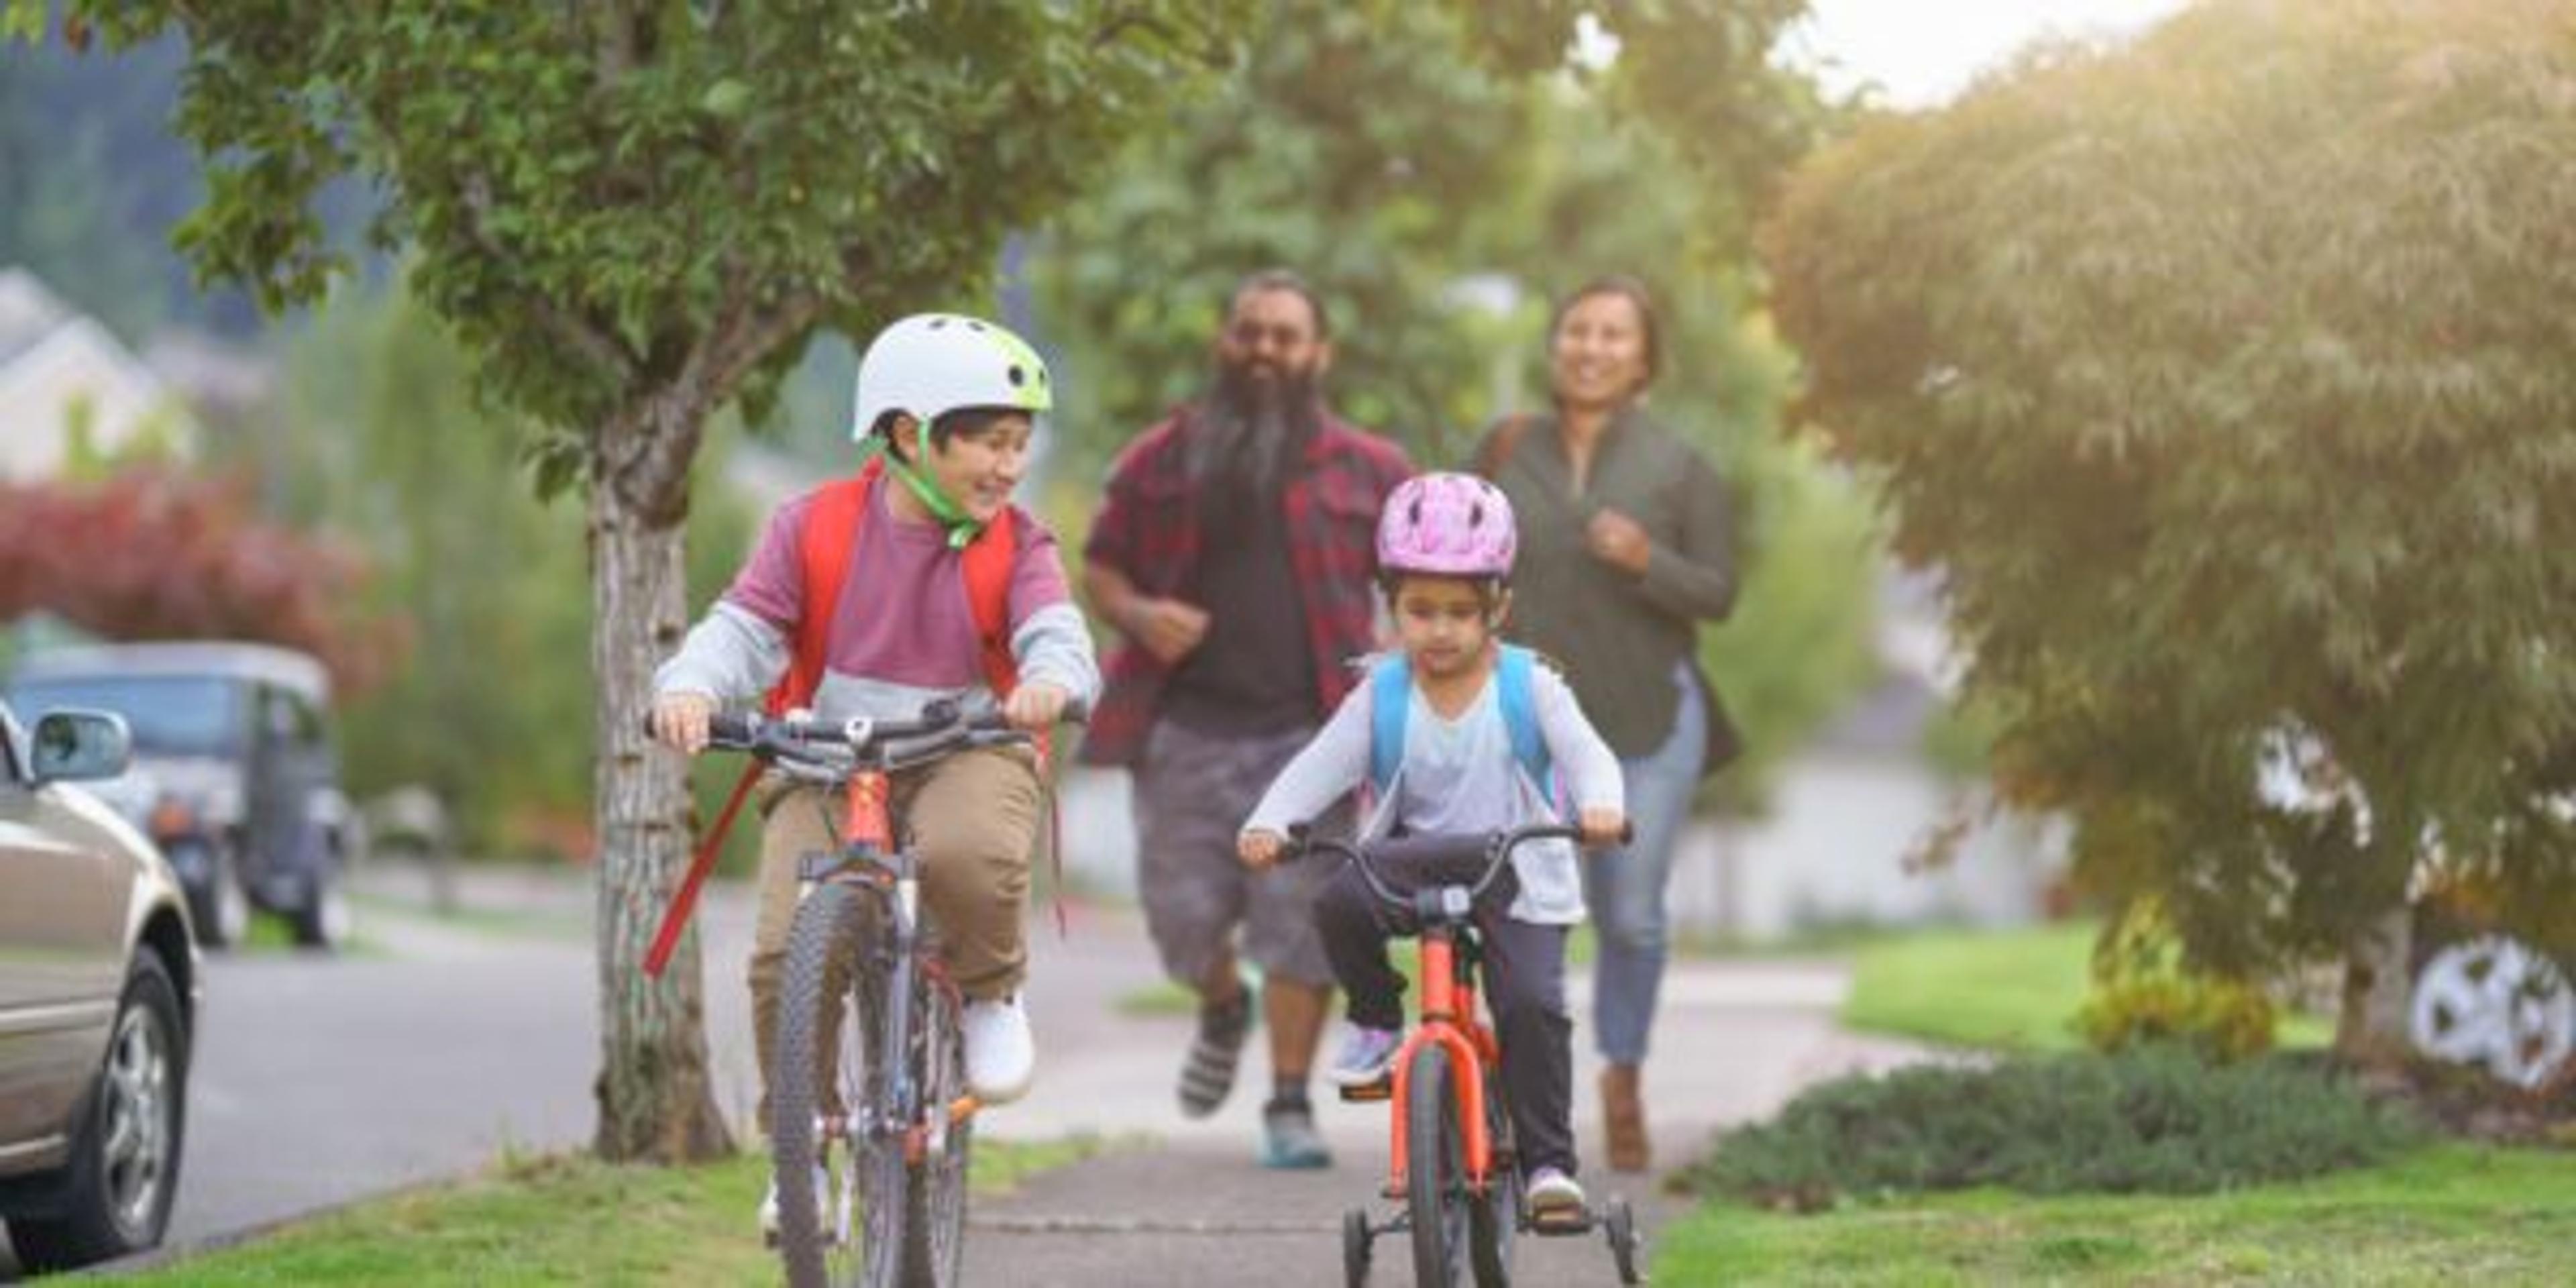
<point>1623,1116</point>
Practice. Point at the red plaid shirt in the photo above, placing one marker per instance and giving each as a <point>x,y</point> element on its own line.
<point>1148,529</point>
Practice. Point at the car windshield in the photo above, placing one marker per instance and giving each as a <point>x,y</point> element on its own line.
<point>173,715</point>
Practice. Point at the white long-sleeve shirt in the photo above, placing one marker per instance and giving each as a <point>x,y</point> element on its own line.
<point>1460,776</point>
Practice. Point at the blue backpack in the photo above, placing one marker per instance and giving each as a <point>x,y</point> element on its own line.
<point>1391,701</point>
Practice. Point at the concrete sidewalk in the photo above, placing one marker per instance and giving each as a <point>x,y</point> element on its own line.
<point>1735,1040</point>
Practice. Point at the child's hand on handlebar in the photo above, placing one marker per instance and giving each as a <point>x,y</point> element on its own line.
<point>1036,706</point>
<point>1259,848</point>
<point>680,720</point>
<point>1603,828</point>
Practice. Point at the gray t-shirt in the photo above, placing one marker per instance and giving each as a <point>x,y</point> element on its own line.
<point>1459,776</point>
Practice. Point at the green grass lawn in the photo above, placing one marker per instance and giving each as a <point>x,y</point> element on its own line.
<point>2013,990</point>
<point>558,1220</point>
<point>2453,1214</point>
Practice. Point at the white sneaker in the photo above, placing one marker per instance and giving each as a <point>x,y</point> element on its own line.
<point>1001,1053</point>
<point>1553,1195</point>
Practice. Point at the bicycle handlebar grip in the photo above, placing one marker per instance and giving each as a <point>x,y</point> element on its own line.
<point>729,727</point>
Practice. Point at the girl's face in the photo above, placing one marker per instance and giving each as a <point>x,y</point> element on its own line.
<point>1444,623</point>
<point>1597,358</point>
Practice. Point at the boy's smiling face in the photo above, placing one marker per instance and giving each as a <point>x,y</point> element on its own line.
<point>1444,623</point>
<point>978,469</point>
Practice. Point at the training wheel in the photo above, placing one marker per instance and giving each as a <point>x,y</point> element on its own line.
<point>1355,1248</point>
<point>1619,1226</point>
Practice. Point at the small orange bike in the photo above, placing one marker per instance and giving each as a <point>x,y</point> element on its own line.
<point>1455,1173</point>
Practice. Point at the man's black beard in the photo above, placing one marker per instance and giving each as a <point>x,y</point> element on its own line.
<point>1252,434</point>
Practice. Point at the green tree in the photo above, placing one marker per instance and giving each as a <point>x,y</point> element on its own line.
<point>2224,379</point>
<point>634,215</point>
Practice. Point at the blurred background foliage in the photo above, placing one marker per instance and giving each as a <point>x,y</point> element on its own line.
<point>1440,172</point>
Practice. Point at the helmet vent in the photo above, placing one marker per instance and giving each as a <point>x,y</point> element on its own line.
<point>937,323</point>
<point>1017,376</point>
<point>973,325</point>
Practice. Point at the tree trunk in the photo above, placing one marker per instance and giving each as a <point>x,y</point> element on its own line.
<point>2377,990</point>
<point>655,1097</point>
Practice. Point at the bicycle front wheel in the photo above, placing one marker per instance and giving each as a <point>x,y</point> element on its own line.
<point>935,1215</point>
<point>847,1230</point>
<point>1435,1170</point>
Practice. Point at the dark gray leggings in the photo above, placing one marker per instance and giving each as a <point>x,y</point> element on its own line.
<point>1524,980</point>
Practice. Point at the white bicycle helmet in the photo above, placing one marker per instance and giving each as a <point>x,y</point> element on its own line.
<point>930,364</point>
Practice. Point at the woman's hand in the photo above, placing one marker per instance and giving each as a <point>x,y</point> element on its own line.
<point>680,720</point>
<point>1259,848</point>
<point>1603,828</point>
<point>1617,540</point>
<point>1035,706</point>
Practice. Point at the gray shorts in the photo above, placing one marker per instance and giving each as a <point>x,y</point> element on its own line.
<point>1192,792</point>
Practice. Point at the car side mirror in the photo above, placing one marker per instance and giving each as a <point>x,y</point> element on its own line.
<point>77,746</point>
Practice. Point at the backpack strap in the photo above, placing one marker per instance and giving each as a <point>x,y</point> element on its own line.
<point>1518,692</point>
<point>1390,701</point>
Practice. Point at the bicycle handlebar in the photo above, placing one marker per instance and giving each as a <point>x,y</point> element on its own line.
<point>1496,847</point>
<point>942,726</point>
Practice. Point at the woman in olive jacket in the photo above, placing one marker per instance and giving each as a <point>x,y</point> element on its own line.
<point>1625,547</point>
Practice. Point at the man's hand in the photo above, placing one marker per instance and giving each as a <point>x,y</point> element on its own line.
<point>1168,628</point>
<point>1615,539</point>
<point>680,720</point>
<point>1035,706</point>
<point>1259,848</point>
<point>1602,828</point>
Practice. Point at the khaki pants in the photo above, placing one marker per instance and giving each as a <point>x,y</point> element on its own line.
<point>972,817</point>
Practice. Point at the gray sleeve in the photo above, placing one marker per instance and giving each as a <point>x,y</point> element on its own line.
<point>1591,768</point>
<point>1054,645</point>
<point>731,655</point>
<point>1331,765</point>
<point>1694,578</point>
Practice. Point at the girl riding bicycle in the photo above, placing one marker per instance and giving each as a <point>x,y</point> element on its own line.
<point>1456,735</point>
<point>916,581</point>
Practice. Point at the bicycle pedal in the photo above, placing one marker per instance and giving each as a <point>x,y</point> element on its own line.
<point>1382,1089</point>
<point>1558,1225</point>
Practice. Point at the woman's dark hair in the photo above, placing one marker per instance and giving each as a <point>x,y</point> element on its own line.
<point>1635,293</point>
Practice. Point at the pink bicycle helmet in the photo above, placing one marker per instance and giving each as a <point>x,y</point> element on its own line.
<point>1447,525</point>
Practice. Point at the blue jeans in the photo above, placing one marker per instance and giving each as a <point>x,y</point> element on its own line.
<point>1625,888</point>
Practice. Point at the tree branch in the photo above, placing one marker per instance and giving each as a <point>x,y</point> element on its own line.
<point>580,334</point>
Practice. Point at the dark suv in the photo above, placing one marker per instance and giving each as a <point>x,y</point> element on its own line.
<point>234,777</point>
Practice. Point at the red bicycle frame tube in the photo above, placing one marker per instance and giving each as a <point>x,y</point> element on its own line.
<point>865,820</point>
<point>1448,1021</point>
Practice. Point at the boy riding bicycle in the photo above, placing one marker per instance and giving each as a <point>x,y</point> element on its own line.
<point>869,600</point>
<point>1455,735</point>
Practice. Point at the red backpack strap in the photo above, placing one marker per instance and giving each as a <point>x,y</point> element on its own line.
<point>825,545</point>
<point>988,562</point>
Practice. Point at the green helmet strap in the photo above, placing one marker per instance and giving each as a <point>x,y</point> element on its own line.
<point>962,527</point>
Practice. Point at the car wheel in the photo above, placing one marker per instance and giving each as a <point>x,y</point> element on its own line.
<point>125,1158</point>
<point>222,910</point>
<point>324,919</point>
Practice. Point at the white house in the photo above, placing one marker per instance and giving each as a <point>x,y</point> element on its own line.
<point>61,375</point>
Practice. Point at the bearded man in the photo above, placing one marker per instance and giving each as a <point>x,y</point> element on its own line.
<point>1235,555</point>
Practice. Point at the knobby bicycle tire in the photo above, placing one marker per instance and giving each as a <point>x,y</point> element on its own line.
<point>832,970</point>
<point>1435,1170</point>
<point>935,1208</point>
<point>1494,1217</point>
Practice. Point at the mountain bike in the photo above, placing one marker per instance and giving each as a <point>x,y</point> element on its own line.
<point>868,1088</point>
<point>1455,1174</point>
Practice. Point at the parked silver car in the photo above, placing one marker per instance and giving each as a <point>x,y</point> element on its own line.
<point>98,1002</point>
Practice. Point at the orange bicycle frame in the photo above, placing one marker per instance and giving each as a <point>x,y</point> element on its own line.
<point>1449,1022</point>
